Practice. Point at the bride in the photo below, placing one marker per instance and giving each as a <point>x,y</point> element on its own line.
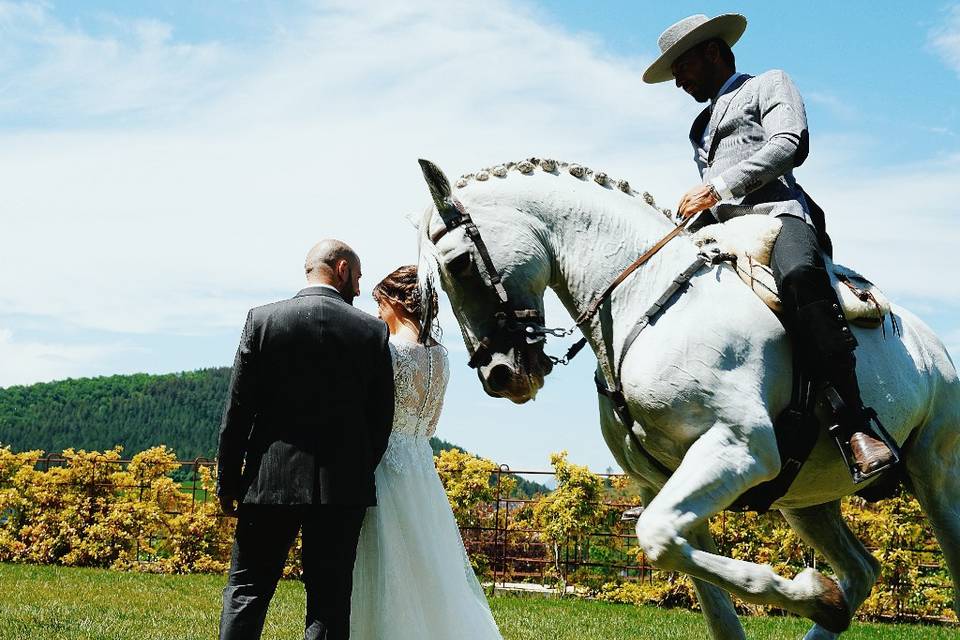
<point>412,579</point>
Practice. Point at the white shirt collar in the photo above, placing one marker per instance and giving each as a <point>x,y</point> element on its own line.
<point>726,85</point>
<point>326,286</point>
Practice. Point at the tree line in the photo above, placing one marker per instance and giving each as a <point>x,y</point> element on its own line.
<point>179,410</point>
<point>139,411</point>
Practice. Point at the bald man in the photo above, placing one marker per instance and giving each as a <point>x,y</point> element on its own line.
<point>307,420</point>
<point>331,263</point>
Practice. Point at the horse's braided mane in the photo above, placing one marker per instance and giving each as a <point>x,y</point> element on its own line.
<point>556,167</point>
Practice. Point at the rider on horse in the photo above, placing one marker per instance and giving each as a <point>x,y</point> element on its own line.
<point>746,143</point>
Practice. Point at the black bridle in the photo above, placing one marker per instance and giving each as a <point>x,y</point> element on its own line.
<point>515,326</point>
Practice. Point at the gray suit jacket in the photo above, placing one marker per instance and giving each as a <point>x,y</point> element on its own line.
<point>749,144</point>
<point>310,404</point>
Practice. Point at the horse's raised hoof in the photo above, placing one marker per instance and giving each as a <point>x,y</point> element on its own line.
<point>830,608</point>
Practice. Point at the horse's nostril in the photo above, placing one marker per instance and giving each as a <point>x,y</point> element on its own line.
<point>499,377</point>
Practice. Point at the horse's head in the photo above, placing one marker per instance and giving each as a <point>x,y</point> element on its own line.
<point>494,267</point>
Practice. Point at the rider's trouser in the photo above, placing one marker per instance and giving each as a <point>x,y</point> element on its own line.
<point>811,310</point>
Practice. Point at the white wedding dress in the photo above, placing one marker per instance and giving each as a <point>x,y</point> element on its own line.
<point>412,579</point>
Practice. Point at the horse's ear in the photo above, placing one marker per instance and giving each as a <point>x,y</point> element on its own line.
<point>440,191</point>
<point>438,183</point>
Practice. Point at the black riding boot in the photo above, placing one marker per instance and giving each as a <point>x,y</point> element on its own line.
<point>829,352</point>
<point>823,340</point>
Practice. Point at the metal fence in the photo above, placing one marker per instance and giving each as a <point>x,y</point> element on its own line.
<point>510,553</point>
<point>517,554</point>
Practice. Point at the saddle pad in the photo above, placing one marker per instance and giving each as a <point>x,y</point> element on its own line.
<point>749,239</point>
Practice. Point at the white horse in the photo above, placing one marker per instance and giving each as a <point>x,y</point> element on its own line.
<point>703,382</point>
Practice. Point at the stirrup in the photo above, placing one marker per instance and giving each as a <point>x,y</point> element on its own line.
<point>873,424</point>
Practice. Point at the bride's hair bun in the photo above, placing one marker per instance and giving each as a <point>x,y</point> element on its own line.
<point>402,288</point>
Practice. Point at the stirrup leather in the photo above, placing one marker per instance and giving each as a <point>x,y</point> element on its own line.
<point>873,424</point>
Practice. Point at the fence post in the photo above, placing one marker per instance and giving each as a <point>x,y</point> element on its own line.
<point>193,484</point>
<point>499,552</point>
<point>895,539</point>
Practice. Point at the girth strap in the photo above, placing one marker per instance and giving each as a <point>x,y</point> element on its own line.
<point>796,430</point>
<point>615,394</point>
<point>623,412</point>
<point>681,282</point>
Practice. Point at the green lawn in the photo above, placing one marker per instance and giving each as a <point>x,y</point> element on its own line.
<point>39,602</point>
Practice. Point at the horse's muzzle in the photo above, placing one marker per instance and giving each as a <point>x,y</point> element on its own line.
<point>507,376</point>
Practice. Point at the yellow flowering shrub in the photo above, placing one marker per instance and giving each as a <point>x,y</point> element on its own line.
<point>471,491</point>
<point>674,590</point>
<point>473,486</point>
<point>88,509</point>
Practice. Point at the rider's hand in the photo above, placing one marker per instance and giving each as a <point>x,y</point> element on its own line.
<point>228,504</point>
<point>702,196</point>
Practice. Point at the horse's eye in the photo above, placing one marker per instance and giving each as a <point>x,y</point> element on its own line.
<point>460,265</point>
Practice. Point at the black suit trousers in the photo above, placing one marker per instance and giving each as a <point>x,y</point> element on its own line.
<point>798,266</point>
<point>264,535</point>
<point>811,309</point>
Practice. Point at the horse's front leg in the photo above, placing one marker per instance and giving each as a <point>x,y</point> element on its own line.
<point>721,465</point>
<point>715,604</point>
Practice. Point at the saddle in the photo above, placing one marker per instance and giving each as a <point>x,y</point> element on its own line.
<point>746,242</point>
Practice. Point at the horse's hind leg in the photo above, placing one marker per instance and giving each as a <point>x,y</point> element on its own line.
<point>933,464</point>
<point>823,528</point>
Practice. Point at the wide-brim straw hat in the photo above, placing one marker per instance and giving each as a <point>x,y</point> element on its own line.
<point>688,33</point>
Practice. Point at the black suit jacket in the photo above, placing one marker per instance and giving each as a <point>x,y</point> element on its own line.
<point>310,405</point>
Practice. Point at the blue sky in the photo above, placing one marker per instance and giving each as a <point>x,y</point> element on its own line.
<point>166,167</point>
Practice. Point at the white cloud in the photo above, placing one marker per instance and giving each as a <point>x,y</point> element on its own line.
<point>24,362</point>
<point>944,39</point>
<point>178,224</point>
<point>136,72</point>
<point>890,223</point>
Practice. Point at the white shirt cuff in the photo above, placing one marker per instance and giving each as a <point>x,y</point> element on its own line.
<point>721,186</point>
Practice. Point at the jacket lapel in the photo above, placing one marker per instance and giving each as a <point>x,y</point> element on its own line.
<point>720,111</point>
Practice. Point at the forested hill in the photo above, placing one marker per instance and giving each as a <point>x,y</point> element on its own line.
<point>180,410</point>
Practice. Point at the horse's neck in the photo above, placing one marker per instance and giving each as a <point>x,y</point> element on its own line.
<point>591,247</point>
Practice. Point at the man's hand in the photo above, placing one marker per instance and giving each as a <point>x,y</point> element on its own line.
<point>228,504</point>
<point>702,196</point>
